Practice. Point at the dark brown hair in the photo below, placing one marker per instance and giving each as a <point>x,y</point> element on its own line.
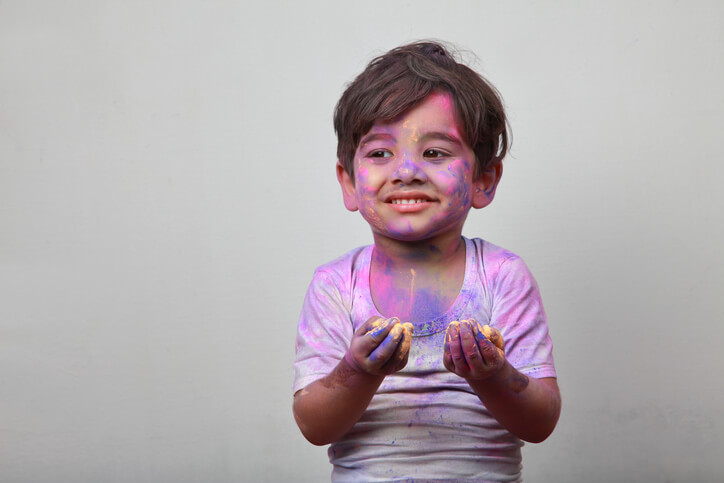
<point>395,82</point>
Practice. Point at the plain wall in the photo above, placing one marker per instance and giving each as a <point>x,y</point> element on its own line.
<point>167,188</point>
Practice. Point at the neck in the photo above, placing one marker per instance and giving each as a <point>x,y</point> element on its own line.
<point>417,281</point>
<point>401,254</point>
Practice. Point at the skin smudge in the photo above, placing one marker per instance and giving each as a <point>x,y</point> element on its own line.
<point>407,340</point>
<point>518,383</point>
<point>412,287</point>
<point>338,377</point>
<point>377,326</point>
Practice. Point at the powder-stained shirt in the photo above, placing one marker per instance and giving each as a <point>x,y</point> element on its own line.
<point>425,423</point>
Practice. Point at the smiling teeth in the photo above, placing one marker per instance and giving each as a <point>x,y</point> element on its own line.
<point>406,202</point>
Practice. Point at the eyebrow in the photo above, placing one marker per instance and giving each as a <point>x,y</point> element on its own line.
<point>376,137</point>
<point>441,136</point>
<point>429,136</point>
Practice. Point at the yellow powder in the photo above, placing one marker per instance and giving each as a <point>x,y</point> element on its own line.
<point>404,332</point>
<point>376,325</point>
<point>406,343</point>
<point>493,336</point>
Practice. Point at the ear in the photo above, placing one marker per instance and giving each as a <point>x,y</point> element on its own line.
<point>348,191</point>
<point>486,184</point>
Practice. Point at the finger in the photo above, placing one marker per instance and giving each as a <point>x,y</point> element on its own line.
<point>373,325</point>
<point>378,330</point>
<point>387,347</point>
<point>478,330</point>
<point>368,337</point>
<point>494,336</point>
<point>486,333</point>
<point>456,351</point>
<point>473,358</point>
<point>446,355</point>
<point>490,353</point>
<point>481,340</point>
<point>403,348</point>
<point>398,360</point>
<point>447,361</point>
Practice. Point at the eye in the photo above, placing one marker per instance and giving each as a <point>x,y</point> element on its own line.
<point>379,153</point>
<point>434,153</point>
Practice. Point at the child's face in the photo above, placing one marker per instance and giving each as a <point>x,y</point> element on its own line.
<point>414,176</point>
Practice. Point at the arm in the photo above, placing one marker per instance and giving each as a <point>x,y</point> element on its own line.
<point>527,407</point>
<point>531,413</point>
<point>327,408</point>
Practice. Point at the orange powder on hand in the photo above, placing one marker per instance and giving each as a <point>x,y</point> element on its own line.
<point>491,334</point>
<point>375,325</point>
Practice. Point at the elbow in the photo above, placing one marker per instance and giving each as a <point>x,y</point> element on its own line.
<point>316,437</point>
<point>538,433</point>
<point>536,437</point>
<point>547,423</point>
<point>312,434</point>
<point>316,440</point>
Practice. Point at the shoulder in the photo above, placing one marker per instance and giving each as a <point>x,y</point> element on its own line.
<point>343,274</point>
<point>345,265</point>
<point>499,263</point>
<point>491,255</point>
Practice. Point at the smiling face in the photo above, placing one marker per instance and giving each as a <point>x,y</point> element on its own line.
<point>413,176</point>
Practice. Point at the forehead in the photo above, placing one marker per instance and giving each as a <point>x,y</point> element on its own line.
<point>434,113</point>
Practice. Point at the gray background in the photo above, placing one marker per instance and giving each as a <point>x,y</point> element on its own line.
<point>167,188</point>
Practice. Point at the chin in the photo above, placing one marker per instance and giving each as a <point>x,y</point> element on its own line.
<point>411,236</point>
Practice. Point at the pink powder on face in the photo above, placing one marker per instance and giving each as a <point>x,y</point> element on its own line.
<point>420,152</point>
<point>460,191</point>
<point>444,101</point>
<point>366,196</point>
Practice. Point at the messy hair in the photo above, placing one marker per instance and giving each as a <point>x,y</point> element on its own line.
<point>397,81</point>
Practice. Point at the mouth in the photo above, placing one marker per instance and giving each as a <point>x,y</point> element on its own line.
<point>408,198</point>
<point>409,202</point>
<point>406,201</point>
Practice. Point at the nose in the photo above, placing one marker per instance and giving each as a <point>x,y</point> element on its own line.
<point>408,172</point>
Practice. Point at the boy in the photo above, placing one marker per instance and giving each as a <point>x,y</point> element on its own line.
<point>425,356</point>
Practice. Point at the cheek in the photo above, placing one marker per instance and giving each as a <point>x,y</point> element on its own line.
<point>368,181</point>
<point>361,175</point>
<point>459,169</point>
<point>366,192</point>
<point>363,184</point>
<point>454,181</point>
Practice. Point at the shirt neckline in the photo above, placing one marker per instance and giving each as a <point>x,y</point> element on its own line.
<point>441,322</point>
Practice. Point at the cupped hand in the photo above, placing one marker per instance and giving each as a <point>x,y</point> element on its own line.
<point>472,351</point>
<point>380,346</point>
